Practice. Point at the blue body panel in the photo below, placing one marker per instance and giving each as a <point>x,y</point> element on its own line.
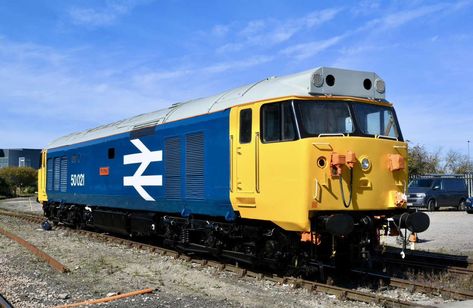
<point>196,169</point>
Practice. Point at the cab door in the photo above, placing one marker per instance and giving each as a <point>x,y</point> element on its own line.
<point>42,196</point>
<point>244,151</point>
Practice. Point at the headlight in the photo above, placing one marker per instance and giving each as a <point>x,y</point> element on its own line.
<point>420,195</point>
<point>380,86</point>
<point>318,80</point>
<point>365,164</point>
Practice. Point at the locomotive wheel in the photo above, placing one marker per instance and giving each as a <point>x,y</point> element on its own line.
<point>461,205</point>
<point>432,205</point>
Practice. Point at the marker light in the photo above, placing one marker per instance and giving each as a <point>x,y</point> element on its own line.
<point>380,86</point>
<point>365,164</point>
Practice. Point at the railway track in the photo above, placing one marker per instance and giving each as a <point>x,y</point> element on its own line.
<point>428,262</point>
<point>455,270</point>
<point>340,292</point>
<point>438,260</point>
<point>412,286</point>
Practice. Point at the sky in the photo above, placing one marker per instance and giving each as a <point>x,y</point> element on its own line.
<point>67,66</point>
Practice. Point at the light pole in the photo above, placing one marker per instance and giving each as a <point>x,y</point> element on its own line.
<point>470,192</point>
<point>468,168</point>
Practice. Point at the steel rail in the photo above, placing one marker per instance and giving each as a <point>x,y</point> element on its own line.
<point>23,216</point>
<point>36,251</point>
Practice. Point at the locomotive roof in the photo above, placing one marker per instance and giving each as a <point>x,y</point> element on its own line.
<point>318,81</point>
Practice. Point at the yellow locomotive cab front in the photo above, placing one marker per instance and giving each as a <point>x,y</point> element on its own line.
<point>327,155</point>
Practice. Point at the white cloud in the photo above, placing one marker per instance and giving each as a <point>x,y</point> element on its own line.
<point>460,5</point>
<point>307,50</point>
<point>398,19</point>
<point>361,50</point>
<point>150,79</point>
<point>45,85</point>
<point>81,88</point>
<point>35,54</point>
<point>40,82</point>
<point>270,32</point>
<point>318,17</point>
<point>220,30</point>
<point>91,17</point>
<point>105,16</point>
<point>230,47</point>
<point>237,65</point>
<point>253,28</point>
<point>366,7</point>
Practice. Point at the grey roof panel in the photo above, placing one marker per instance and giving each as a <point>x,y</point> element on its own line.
<point>347,83</point>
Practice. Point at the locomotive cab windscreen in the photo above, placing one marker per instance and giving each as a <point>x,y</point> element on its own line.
<point>328,118</point>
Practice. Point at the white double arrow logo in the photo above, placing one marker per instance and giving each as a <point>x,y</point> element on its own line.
<point>138,180</point>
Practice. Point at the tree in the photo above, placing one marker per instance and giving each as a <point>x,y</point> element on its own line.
<point>420,161</point>
<point>457,163</point>
<point>19,178</point>
<point>5,188</point>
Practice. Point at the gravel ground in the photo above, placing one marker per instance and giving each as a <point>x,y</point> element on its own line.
<point>99,268</point>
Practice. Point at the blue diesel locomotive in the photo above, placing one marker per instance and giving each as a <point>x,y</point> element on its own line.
<point>287,170</point>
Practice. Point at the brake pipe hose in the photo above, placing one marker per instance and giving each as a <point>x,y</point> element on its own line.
<point>347,205</point>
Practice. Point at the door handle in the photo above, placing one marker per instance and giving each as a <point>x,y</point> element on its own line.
<point>232,175</point>
<point>257,162</point>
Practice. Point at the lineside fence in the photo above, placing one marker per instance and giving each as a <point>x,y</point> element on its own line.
<point>468,177</point>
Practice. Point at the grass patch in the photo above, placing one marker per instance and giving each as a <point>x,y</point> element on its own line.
<point>443,279</point>
<point>105,265</point>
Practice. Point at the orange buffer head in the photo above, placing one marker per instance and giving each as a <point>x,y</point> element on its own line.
<point>311,237</point>
<point>336,163</point>
<point>351,159</point>
<point>396,162</point>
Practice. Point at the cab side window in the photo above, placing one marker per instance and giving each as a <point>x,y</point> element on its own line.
<point>277,122</point>
<point>245,125</point>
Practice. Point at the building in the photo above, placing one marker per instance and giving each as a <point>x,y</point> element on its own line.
<point>20,158</point>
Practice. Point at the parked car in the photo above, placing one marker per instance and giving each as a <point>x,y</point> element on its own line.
<point>437,192</point>
<point>469,205</point>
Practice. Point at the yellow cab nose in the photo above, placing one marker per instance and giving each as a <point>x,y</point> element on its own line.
<point>370,173</point>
